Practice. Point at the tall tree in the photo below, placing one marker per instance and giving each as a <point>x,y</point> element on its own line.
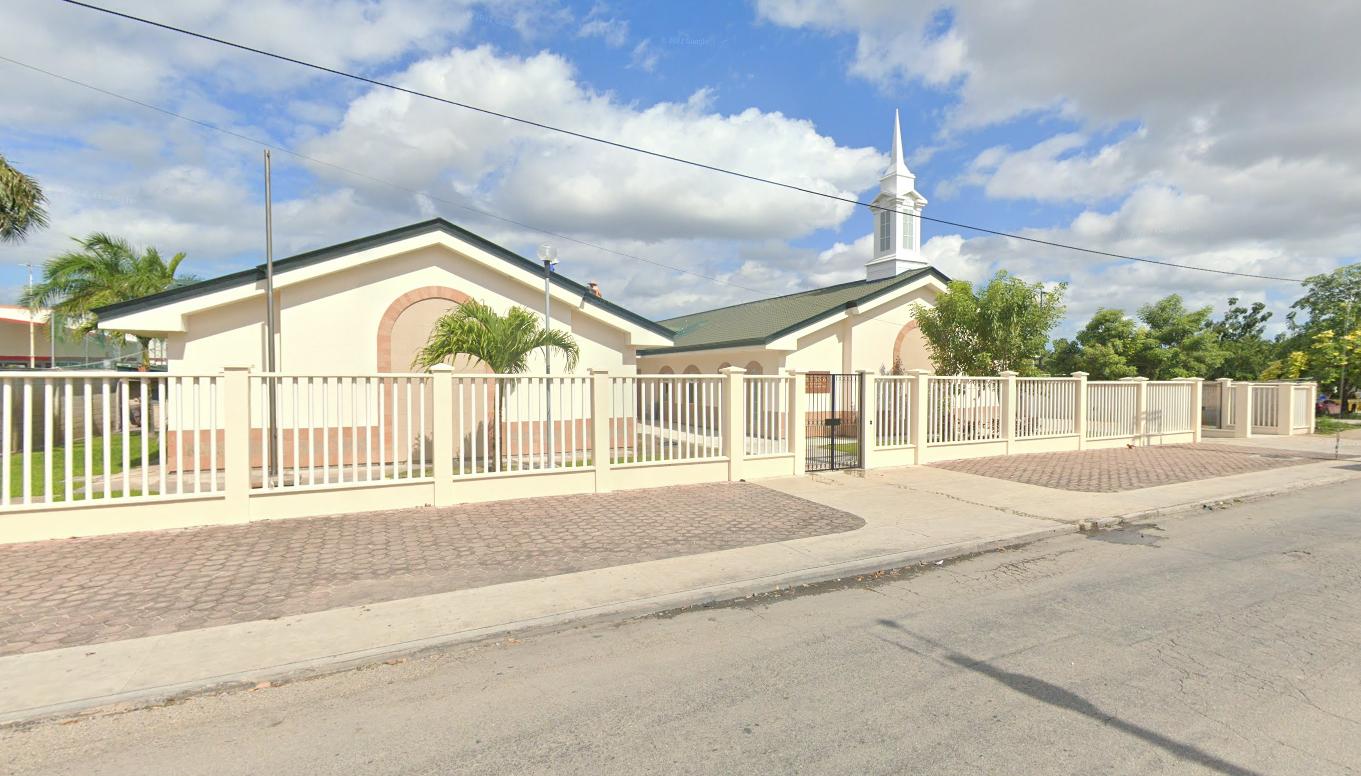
<point>1172,342</point>
<point>21,204</point>
<point>1001,326</point>
<point>105,270</point>
<point>1331,306</point>
<point>1180,342</point>
<point>1241,332</point>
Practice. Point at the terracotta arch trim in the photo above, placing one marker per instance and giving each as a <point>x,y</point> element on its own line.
<point>395,310</point>
<point>898,343</point>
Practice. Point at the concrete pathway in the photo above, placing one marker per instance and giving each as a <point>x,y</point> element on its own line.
<point>912,515</point>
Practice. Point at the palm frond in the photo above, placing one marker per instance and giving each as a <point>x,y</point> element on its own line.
<point>22,204</point>
<point>502,342</point>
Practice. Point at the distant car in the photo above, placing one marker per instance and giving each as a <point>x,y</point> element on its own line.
<point>1327,407</point>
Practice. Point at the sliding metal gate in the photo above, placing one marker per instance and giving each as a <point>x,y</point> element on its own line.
<point>833,422</point>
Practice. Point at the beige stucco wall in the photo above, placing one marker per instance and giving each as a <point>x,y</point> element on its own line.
<point>875,334</point>
<point>709,362</point>
<point>329,324</point>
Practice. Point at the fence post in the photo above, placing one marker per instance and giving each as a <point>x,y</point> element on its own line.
<point>1242,411</point>
<point>1008,408</point>
<point>442,434</point>
<point>236,440</point>
<point>919,401</point>
<point>1225,401</point>
<point>1196,398</point>
<point>869,413</point>
<point>601,444</point>
<point>798,418</point>
<point>734,420</point>
<point>1313,416</point>
<point>1285,408</point>
<point>1080,411</point>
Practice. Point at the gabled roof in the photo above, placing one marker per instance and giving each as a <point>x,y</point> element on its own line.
<point>257,274</point>
<point>757,324</point>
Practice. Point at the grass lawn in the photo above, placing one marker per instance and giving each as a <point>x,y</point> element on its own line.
<point>1327,425</point>
<point>39,459</point>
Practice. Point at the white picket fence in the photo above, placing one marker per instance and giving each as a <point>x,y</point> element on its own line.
<point>1277,408</point>
<point>77,447</point>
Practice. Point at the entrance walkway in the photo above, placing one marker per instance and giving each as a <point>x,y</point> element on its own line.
<point>106,588</point>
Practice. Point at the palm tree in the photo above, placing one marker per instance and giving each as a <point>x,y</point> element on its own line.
<point>104,271</point>
<point>21,204</point>
<point>502,342</point>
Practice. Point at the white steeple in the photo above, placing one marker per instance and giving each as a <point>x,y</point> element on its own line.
<point>897,230</point>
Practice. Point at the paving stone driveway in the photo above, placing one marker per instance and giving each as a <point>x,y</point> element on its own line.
<point>1120,469</point>
<point>86,591</point>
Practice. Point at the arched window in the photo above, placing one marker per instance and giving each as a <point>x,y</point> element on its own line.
<point>666,370</point>
<point>723,366</point>
<point>754,368</point>
<point>692,370</point>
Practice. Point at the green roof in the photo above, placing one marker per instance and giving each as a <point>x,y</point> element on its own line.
<point>756,324</point>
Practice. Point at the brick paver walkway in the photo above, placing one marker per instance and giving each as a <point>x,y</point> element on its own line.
<point>85,591</point>
<point>1121,469</point>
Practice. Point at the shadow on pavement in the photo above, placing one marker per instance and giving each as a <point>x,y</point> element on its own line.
<point>1054,695</point>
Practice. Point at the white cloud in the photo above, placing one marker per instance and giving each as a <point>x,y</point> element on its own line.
<point>1243,156</point>
<point>567,184</point>
<point>644,56</point>
<point>615,32</point>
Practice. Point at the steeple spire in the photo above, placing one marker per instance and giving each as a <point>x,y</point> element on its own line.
<point>897,217</point>
<point>896,166</point>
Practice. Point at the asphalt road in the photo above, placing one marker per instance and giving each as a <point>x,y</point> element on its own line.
<point>1219,642</point>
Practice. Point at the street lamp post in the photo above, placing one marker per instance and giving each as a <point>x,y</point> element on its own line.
<point>548,254</point>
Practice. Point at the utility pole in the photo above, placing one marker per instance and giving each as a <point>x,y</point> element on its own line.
<point>269,326</point>
<point>32,323</point>
<point>549,254</point>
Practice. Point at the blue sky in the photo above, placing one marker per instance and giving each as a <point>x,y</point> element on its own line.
<point>1159,132</point>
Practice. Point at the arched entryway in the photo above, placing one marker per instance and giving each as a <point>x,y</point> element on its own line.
<point>910,348</point>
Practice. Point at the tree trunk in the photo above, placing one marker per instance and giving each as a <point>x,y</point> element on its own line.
<point>145,365</point>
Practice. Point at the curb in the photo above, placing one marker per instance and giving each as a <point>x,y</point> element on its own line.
<point>1186,506</point>
<point>624,610</point>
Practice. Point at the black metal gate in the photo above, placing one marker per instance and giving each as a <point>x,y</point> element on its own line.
<point>832,422</point>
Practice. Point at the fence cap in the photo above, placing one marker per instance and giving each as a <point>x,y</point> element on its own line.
<point>1008,373</point>
<point>595,371</point>
<point>236,366</point>
<point>733,370</point>
<point>918,372</point>
<point>441,368</point>
<point>1081,374</point>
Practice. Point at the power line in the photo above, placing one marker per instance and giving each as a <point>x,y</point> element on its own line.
<point>655,154</point>
<point>365,176</point>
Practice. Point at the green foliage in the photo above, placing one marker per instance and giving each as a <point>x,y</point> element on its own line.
<point>502,342</point>
<point>1247,352</point>
<point>21,204</point>
<point>1002,326</point>
<point>105,270</point>
<point>1332,311</point>
<point>1172,342</point>
<point>1292,367</point>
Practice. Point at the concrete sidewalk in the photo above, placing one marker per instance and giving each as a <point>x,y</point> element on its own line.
<point>912,515</point>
